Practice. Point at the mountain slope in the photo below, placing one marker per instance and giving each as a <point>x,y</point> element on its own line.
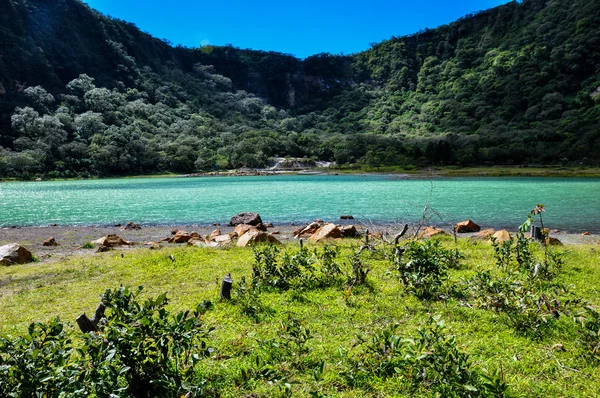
<point>515,84</point>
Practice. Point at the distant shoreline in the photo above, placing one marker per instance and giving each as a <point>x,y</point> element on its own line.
<point>433,172</point>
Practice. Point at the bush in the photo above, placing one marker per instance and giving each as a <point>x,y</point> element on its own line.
<point>299,269</point>
<point>589,322</point>
<point>423,267</point>
<point>430,362</point>
<point>141,350</point>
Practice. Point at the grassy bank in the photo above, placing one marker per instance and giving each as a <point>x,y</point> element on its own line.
<point>342,320</point>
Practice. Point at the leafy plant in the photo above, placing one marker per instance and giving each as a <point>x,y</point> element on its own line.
<point>430,362</point>
<point>423,267</point>
<point>589,322</point>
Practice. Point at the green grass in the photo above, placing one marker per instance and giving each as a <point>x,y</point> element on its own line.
<point>66,288</point>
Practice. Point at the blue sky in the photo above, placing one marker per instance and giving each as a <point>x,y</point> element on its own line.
<point>301,28</point>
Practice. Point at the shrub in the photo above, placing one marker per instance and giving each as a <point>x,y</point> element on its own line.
<point>589,322</point>
<point>423,267</point>
<point>430,363</point>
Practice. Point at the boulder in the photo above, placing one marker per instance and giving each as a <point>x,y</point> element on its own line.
<point>252,238</point>
<point>502,236</point>
<point>130,226</point>
<point>50,242</point>
<point>430,232</point>
<point>346,217</point>
<point>14,254</point>
<point>327,231</point>
<point>308,230</point>
<point>111,240</point>
<point>241,229</point>
<point>349,231</point>
<point>214,234</point>
<point>245,218</point>
<point>195,235</point>
<point>485,234</point>
<point>466,226</point>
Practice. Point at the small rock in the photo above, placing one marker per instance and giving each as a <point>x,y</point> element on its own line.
<point>222,239</point>
<point>103,249</point>
<point>466,226</point>
<point>269,225</point>
<point>346,217</point>
<point>559,347</point>
<point>586,233</point>
<point>131,226</point>
<point>553,241</point>
<point>430,232</point>
<point>14,254</point>
<point>111,240</point>
<point>50,242</point>
<point>216,224</point>
<point>485,234</point>
<point>276,232</point>
<point>349,231</point>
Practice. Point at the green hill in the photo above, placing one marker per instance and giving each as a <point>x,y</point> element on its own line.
<point>82,93</point>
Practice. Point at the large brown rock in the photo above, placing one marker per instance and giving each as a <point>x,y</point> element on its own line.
<point>502,236</point>
<point>430,232</point>
<point>245,218</point>
<point>14,254</point>
<point>327,231</point>
<point>50,242</point>
<point>485,234</point>
<point>241,229</point>
<point>111,240</point>
<point>180,237</point>
<point>252,238</point>
<point>308,230</point>
<point>466,226</point>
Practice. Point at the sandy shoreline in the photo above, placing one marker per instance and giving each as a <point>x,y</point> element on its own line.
<point>72,238</point>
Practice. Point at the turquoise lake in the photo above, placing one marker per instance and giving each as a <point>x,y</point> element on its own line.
<point>572,204</point>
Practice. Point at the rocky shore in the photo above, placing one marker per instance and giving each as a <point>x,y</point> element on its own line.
<point>71,239</point>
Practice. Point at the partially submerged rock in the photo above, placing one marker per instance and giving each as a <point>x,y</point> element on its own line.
<point>466,226</point>
<point>346,217</point>
<point>430,232</point>
<point>50,242</point>
<point>111,240</point>
<point>14,254</point>
<point>245,218</point>
<point>130,227</point>
<point>252,238</point>
<point>327,231</point>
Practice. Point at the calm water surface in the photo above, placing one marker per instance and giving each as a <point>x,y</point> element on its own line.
<point>572,204</point>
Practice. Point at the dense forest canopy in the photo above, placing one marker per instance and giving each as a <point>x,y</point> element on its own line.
<point>82,94</point>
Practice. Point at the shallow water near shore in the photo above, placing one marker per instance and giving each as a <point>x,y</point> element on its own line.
<point>572,203</point>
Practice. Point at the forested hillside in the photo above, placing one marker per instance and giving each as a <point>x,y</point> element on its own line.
<point>85,94</point>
